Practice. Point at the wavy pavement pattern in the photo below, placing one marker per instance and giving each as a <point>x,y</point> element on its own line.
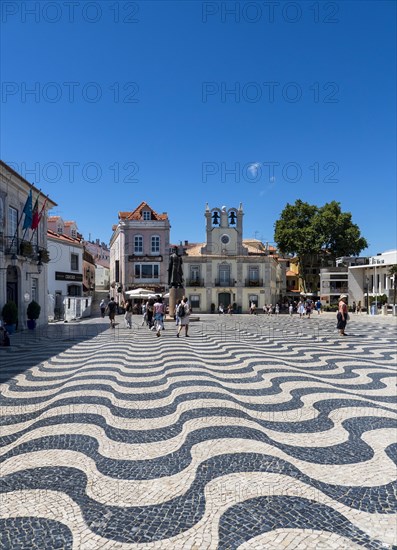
<point>246,431</point>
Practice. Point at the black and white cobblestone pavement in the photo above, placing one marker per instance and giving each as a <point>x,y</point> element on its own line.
<point>254,433</point>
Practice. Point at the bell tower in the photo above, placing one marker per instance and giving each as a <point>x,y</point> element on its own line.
<point>224,231</point>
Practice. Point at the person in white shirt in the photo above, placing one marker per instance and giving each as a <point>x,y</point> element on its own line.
<point>184,315</point>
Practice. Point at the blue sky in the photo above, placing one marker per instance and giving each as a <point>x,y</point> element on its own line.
<point>183,103</point>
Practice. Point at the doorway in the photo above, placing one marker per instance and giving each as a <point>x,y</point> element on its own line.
<point>224,298</point>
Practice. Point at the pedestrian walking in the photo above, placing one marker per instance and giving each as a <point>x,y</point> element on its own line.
<point>158,309</point>
<point>102,307</point>
<point>290,310</point>
<point>177,318</point>
<point>184,315</point>
<point>111,307</point>
<point>301,309</point>
<point>318,306</point>
<point>144,317</point>
<point>220,309</point>
<point>128,313</point>
<point>277,309</point>
<point>149,312</point>
<point>342,315</point>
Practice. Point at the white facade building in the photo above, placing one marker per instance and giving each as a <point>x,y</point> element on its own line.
<point>23,254</point>
<point>65,275</point>
<point>373,279</point>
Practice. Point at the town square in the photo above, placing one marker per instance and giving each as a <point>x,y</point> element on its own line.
<point>198,275</point>
<point>257,432</point>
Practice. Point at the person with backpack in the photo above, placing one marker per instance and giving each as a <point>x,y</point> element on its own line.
<point>112,306</point>
<point>184,315</point>
<point>177,320</point>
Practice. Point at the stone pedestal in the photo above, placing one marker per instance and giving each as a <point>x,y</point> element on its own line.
<point>175,295</point>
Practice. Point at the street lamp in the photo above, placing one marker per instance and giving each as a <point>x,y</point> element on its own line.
<point>39,270</point>
<point>367,283</point>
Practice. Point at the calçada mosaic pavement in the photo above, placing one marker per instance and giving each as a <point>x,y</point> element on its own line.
<point>254,433</point>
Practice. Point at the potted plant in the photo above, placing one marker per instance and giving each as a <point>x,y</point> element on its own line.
<point>33,313</point>
<point>10,316</point>
<point>26,248</point>
<point>44,256</point>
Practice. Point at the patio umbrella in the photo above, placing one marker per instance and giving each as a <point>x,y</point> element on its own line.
<point>139,293</point>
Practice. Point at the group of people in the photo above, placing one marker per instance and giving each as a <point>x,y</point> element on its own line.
<point>229,309</point>
<point>153,313</point>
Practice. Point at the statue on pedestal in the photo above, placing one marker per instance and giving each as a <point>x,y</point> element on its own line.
<point>175,270</point>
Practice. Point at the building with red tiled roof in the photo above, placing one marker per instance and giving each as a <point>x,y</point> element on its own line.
<point>139,250</point>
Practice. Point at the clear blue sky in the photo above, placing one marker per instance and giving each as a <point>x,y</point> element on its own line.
<point>138,96</point>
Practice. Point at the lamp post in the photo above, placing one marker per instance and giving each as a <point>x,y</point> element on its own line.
<point>367,283</point>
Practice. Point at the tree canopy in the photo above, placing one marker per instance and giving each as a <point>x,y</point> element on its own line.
<point>309,232</point>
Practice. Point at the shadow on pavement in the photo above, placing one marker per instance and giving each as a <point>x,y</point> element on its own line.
<point>31,347</point>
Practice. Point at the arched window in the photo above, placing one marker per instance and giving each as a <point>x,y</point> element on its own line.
<point>155,244</point>
<point>138,244</point>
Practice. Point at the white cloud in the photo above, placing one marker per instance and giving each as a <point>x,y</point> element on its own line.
<point>253,169</point>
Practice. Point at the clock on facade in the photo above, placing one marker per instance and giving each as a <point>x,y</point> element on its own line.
<point>225,239</point>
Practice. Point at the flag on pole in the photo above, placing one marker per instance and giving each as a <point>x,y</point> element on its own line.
<point>35,214</point>
<point>27,210</point>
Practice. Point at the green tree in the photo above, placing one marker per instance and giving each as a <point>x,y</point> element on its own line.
<point>315,234</point>
<point>337,234</point>
<point>295,234</point>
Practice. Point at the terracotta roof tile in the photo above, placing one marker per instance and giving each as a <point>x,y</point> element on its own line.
<point>137,213</point>
<point>69,240</point>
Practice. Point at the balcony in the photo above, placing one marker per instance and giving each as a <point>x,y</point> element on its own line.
<point>225,282</point>
<point>21,247</point>
<point>252,282</point>
<point>195,282</point>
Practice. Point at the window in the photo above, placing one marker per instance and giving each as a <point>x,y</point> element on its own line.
<point>194,273</point>
<point>253,274</point>
<point>60,229</point>
<point>146,271</point>
<point>194,300</point>
<point>35,286</point>
<point>224,275</point>
<point>147,215</point>
<point>155,247</point>
<point>74,290</point>
<point>74,262</point>
<point>138,244</point>
<point>74,233</point>
<point>12,221</point>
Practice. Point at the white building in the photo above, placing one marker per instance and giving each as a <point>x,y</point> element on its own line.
<point>373,279</point>
<point>228,269</point>
<point>65,271</point>
<point>23,254</point>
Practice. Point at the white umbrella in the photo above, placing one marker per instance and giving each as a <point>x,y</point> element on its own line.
<point>139,293</point>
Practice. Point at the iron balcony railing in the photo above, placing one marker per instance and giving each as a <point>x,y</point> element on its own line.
<point>254,282</point>
<point>21,247</point>
<point>195,282</point>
